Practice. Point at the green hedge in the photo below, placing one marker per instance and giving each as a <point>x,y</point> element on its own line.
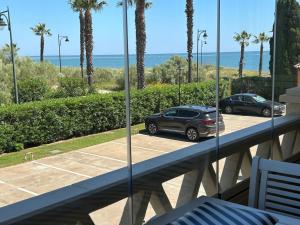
<point>48,121</point>
<point>32,89</point>
<point>258,85</point>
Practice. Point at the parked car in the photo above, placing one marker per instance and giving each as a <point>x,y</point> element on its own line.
<point>251,104</point>
<point>192,121</point>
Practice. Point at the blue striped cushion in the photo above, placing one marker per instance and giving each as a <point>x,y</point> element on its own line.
<point>214,214</point>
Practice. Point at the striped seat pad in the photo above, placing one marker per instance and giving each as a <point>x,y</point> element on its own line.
<point>215,214</point>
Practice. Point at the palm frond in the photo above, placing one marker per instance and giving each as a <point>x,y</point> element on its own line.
<point>262,37</point>
<point>40,29</point>
<point>256,39</point>
<point>76,5</point>
<point>237,37</point>
<point>93,4</point>
<point>242,38</point>
<point>129,2</point>
<point>148,5</point>
<point>133,2</point>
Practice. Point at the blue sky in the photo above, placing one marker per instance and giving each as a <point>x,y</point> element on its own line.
<point>166,25</point>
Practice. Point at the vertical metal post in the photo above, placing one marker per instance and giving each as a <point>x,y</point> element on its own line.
<point>274,71</point>
<point>59,54</point>
<point>128,114</point>
<point>218,92</point>
<point>201,51</point>
<point>179,84</point>
<point>198,55</point>
<point>13,59</point>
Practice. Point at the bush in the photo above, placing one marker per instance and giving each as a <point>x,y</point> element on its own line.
<point>258,85</point>
<point>120,79</point>
<point>18,147</point>
<point>33,89</point>
<point>47,121</point>
<point>71,87</point>
<point>6,138</point>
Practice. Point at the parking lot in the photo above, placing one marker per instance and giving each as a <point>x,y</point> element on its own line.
<point>40,176</point>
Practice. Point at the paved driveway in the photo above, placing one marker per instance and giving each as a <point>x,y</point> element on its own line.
<point>40,176</point>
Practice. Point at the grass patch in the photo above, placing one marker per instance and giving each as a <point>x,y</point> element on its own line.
<point>66,146</point>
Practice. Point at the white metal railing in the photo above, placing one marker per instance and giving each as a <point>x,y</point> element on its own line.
<point>72,204</point>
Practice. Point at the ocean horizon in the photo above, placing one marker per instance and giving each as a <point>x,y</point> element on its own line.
<point>228,59</point>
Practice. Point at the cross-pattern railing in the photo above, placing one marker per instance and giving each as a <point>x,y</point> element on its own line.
<point>72,204</point>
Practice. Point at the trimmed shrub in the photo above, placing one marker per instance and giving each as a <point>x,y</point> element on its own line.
<point>71,87</point>
<point>47,121</point>
<point>33,89</point>
<point>6,138</point>
<point>258,85</point>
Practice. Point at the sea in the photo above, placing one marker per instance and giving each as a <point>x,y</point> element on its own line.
<point>228,59</point>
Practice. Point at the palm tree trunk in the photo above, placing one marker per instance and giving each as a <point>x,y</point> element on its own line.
<point>140,42</point>
<point>42,48</point>
<point>261,58</point>
<point>89,46</point>
<point>189,14</point>
<point>241,60</point>
<point>81,19</point>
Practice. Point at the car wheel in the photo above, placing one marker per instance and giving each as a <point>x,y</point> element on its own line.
<point>152,128</point>
<point>192,134</point>
<point>266,112</point>
<point>228,109</point>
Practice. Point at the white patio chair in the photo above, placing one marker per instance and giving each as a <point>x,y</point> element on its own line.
<point>275,187</point>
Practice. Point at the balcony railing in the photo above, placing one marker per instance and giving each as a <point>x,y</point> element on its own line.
<point>74,203</point>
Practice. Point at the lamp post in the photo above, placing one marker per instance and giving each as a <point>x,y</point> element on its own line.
<point>59,39</point>
<point>202,43</point>
<point>200,33</point>
<point>5,14</point>
<point>180,69</point>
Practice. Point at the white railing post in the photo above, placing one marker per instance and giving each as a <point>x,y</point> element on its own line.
<point>140,202</point>
<point>191,184</point>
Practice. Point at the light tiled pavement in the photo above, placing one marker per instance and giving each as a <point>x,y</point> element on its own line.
<point>36,177</point>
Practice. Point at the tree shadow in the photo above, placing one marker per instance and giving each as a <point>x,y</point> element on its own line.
<point>250,114</point>
<point>174,136</point>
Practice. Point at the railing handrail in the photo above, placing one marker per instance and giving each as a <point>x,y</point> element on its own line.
<point>90,195</point>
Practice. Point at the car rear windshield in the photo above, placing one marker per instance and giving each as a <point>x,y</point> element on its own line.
<point>211,115</point>
<point>187,113</point>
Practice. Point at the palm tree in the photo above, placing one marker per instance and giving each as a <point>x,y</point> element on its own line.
<point>140,27</point>
<point>41,30</point>
<point>260,39</point>
<point>89,5</point>
<point>189,10</point>
<point>77,6</point>
<point>243,39</point>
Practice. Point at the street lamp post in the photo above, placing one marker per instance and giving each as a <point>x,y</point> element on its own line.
<point>59,39</point>
<point>180,69</point>
<point>200,33</point>
<point>202,43</point>
<point>3,24</point>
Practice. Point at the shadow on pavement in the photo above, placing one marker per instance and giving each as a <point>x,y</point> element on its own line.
<point>173,136</point>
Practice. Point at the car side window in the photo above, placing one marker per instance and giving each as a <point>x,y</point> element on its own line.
<point>236,98</point>
<point>187,113</point>
<point>248,99</point>
<point>169,113</point>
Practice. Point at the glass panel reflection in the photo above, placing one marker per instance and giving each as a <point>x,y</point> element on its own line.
<point>284,65</point>
<point>177,105</point>
<point>245,41</point>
